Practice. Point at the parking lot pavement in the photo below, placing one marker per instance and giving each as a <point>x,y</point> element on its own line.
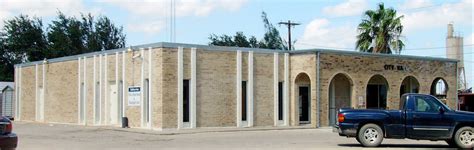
<point>55,136</point>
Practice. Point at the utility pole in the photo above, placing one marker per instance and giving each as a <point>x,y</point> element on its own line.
<point>289,24</point>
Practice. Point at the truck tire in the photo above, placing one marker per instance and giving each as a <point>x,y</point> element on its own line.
<point>370,135</point>
<point>464,137</point>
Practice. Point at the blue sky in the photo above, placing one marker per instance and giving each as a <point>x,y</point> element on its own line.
<point>324,24</point>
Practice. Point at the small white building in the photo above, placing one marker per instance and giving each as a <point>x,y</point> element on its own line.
<point>6,98</point>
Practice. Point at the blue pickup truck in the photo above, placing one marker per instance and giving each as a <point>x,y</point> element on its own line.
<point>421,117</point>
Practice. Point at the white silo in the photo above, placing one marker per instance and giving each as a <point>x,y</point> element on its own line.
<point>454,50</point>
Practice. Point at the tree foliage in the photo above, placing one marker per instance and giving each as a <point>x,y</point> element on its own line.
<point>24,39</point>
<point>380,31</point>
<point>271,38</point>
<point>70,36</point>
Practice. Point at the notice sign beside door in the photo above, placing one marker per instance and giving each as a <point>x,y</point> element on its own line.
<point>134,96</point>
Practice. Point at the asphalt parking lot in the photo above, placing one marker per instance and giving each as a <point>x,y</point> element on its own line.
<point>37,136</point>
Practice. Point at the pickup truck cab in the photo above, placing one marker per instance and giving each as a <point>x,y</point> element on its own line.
<point>421,117</point>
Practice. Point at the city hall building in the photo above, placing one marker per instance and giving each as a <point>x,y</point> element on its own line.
<point>178,86</point>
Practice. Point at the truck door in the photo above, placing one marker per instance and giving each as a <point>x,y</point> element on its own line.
<point>424,121</point>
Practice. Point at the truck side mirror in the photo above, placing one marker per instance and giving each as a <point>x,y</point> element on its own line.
<point>441,110</point>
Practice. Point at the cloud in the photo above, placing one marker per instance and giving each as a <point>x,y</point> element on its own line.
<point>42,8</point>
<point>322,34</point>
<point>157,12</point>
<point>437,16</point>
<point>347,8</point>
<point>149,28</point>
<point>413,4</point>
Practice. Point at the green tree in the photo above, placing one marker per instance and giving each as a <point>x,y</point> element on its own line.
<point>271,38</point>
<point>65,36</point>
<point>109,36</point>
<point>380,31</point>
<point>21,40</point>
<point>238,40</point>
<point>70,36</point>
<point>90,40</point>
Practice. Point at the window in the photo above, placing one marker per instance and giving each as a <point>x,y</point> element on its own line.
<point>81,104</point>
<point>120,99</point>
<point>146,105</point>
<point>426,104</point>
<point>97,102</point>
<point>185,100</point>
<point>244,100</point>
<point>280,100</point>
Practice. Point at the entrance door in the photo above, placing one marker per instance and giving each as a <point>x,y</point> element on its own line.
<point>304,107</point>
<point>377,92</point>
<point>113,103</point>
<point>376,96</point>
<point>339,96</point>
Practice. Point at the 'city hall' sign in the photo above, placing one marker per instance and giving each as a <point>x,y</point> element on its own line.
<point>393,67</point>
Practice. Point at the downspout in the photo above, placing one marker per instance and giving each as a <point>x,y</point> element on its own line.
<point>318,86</point>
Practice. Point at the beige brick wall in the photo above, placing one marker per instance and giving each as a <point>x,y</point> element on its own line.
<point>361,68</point>
<point>263,89</point>
<point>302,64</point>
<point>216,85</point>
<point>28,101</point>
<point>215,90</point>
<point>90,90</point>
<point>169,83</point>
<point>157,88</point>
<point>133,78</point>
<point>61,92</point>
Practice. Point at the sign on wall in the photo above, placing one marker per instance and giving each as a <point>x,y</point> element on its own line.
<point>361,101</point>
<point>395,67</point>
<point>134,96</point>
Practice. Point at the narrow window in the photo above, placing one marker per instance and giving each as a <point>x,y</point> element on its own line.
<point>244,101</point>
<point>97,102</point>
<point>81,105</point>
<point>120,100</point>
<point>280,100</point>
<point>146,106</point>
<point>186,101</point>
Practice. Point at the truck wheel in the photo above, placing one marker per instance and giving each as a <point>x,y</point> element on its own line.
<point>370,135</point>
<point>464,137</point>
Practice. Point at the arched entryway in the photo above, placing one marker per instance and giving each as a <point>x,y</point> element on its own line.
<point>377,89</point>
<point>340,92</point>
<point>439,88</point>
<point>409,85</point>
<point>303,93</point>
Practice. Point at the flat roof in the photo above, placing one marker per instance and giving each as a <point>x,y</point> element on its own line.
<point>226,48</point>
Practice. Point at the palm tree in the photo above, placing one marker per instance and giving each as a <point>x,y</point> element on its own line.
<point>380,31</point>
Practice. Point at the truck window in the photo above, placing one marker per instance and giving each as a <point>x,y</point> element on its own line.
<point>426,104</point>
<point>403,101</point>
